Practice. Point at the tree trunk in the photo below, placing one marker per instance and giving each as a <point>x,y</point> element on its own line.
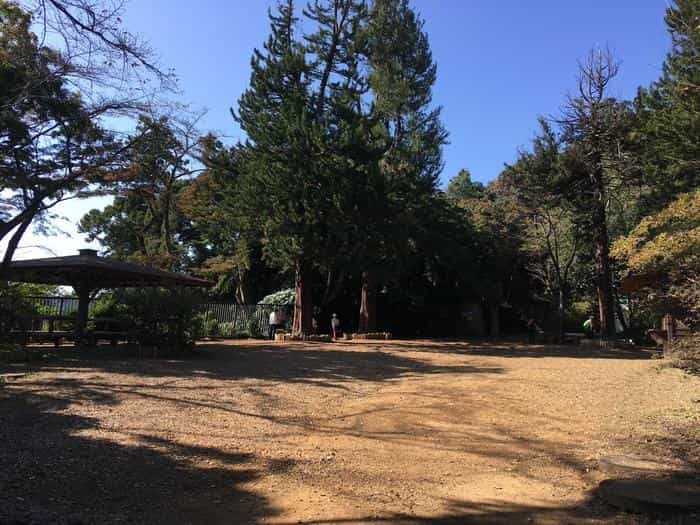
<point>368,304</point>
<point>602,262</point>
<point>303,304</point>
<point>21,220</point>
<point>561,313</point>
<point>14,242</point>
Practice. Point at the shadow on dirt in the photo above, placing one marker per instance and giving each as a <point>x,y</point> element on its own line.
<point>300,363</point>
<point>479,347</point>
<point>52,472</point>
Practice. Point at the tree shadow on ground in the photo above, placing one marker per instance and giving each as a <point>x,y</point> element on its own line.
<point>51,471</point>
<point>509,349</point>
<point>589,511</point>
<point>300,363</point>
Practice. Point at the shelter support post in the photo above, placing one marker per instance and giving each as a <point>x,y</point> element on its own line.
<point>83,292</point>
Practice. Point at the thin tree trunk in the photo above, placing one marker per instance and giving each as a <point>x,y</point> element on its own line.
<point>368,304</point>
<point>602,262</point>
<point>14,242</point>
<point>303,304</point>
<point>24,217</point>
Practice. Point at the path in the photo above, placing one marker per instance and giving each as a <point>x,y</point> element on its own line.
<point>396,432</point>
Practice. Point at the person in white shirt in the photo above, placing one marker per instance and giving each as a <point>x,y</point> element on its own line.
<point>335,326</point>
<point>272,325</point>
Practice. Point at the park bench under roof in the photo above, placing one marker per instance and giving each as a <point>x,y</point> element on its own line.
<point>87,273</point>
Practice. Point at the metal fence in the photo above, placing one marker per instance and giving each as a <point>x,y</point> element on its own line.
<point>59,305</point>
<point>231,320</point>
<point>217,319</point>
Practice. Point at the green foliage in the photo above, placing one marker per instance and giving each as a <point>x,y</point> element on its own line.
<point>144,223</point>
<point>685,354</point>
<point>461,187</point>
<point>31,289</point>
<point>107,305</point>
<point>669,112</point>
<point>53,146</point>
<point>168,316</point>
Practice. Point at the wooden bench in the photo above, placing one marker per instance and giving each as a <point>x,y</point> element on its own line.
<point>113,330</point>
<point>42,328</point>
<point>574,337</point>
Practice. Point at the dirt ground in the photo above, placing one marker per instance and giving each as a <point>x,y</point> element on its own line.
<point>387,432</point>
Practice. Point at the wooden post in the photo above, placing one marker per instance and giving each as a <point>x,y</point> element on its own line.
<point>669,324</point>
<point>83,292</point>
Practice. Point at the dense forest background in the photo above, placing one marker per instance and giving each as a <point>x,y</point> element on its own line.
<point>335,191</point>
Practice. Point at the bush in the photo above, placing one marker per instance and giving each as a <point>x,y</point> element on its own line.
<point>166,315</point>
<point>106,305</point>
<point>212,328</point>
<point>227,329</point>
<point>685,354</point>
<point>254,327</point>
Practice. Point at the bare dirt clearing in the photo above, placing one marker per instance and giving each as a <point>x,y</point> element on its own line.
<point>392,432</point>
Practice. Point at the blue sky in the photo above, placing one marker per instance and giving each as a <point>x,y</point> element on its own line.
<point>500,65</point>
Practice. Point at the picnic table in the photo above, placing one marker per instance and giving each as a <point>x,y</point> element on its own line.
<point>113,330</point>
<point>54,328</point>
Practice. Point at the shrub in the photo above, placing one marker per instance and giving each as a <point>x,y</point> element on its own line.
<point>166,315</point>
<point>254,328</point>
<point>685,354</point>
<point>227,329</point>
<point>212,328</point>
<point>106,305</point>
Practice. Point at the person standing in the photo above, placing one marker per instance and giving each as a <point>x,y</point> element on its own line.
<point>335,326</point>
<point>272,325</point>
<point>531,330</point>
<point>281,320</point>
<point>589,326</point>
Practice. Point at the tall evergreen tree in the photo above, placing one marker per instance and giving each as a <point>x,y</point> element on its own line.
<point>669,112</point>
<point>401,77</point>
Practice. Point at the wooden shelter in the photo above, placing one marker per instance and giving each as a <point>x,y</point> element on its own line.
<point>88,273</point>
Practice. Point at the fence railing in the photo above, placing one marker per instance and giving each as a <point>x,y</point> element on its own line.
<point>217,318</point>
<point>59,305</point>
<point>231,319</point>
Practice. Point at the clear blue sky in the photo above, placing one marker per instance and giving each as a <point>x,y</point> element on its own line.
<point>500,65</point>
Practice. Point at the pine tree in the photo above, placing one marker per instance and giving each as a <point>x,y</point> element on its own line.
<point>280,182</point>
<point>669,112</point>
<point>401,76</point>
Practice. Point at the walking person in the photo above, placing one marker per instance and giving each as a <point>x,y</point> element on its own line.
<point>589,326</point>
<point>272,325</point>
<point>335,326</point>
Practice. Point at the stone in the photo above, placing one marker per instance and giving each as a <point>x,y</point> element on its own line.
<point>656,496</point>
